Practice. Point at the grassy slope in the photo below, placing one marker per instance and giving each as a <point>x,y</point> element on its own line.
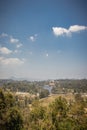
<point>51,98</point>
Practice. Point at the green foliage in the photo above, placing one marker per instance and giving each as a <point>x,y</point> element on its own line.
<point>59,115</point>
<point>64,86</point>
<point>22,86</point>
<point>36,115</point>
<point>44,93</point>
<point>61,86</point>
<point>14,120</point>
<point>47,125</point>
<point>10,117</point>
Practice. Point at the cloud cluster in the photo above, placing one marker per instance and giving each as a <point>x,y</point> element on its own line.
<point>10,61</point>
<point>15,41</point>
<point>9,39</point>
<point>59,31</point>
<point>4,50</point>
<point>12,40</point>
<point>7,54</point>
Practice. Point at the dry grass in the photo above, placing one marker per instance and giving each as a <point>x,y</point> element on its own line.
<point>46,101</point>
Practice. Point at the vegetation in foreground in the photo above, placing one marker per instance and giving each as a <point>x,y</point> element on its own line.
<point>10,116</point>
<point>60,114</point>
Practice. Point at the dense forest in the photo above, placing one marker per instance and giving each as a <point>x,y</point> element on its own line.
<point>22,109</point>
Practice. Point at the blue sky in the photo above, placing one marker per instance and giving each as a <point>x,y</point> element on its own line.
<point>43,39</point>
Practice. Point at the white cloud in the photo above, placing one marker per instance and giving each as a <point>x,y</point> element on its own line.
<point>33,37</point>
<point>17,51</point>
<point>10,61</point>
<point>59,31</point>
<point>3,35</point>
<point>19,45</point>
<point>13,40</point>
<point>77,28</point>
<point>47,55</point>
<point>4,50</point>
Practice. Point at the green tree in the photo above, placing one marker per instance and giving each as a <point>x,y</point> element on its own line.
<point>14,119</point>
<point>10,117</point>
<point>44,93</point>
<point>36,115</point>
<point>58,111</point>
